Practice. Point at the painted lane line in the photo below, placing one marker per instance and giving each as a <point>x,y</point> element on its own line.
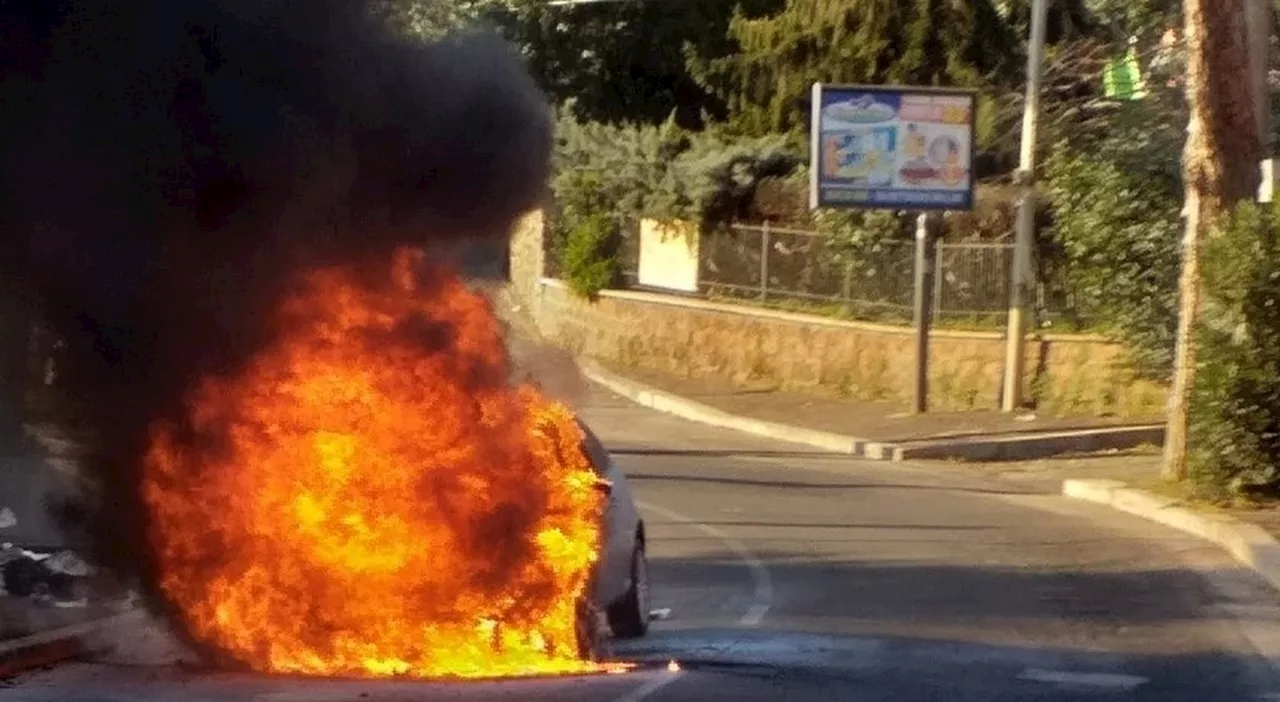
<point>1064,677</point>
<point>642,692</point>
<point>762,598</point>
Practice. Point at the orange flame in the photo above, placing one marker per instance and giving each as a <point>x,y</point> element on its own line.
<point>369,496</point>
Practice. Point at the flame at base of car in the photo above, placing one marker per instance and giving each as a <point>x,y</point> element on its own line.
<point>369,496</point>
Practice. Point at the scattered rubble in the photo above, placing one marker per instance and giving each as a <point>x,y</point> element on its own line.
<point>44,576</point>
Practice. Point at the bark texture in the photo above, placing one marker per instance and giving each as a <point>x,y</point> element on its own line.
<point>1220,168</point>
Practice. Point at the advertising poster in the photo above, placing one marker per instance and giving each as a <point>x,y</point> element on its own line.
<point>892,148</point>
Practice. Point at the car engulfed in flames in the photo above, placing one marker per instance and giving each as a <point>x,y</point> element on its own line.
<point>370,496</point>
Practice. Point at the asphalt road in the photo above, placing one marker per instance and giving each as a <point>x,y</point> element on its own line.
<point>799,577</point>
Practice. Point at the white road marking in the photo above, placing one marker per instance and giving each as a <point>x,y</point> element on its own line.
<point>763,596</point>
<point>1065,677</point>
<point>662,680</point>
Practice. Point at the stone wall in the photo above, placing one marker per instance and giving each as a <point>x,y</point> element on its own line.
<point>1066,373</point>
<point>527,264</point>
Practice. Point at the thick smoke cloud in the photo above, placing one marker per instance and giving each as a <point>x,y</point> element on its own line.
<point>165,165</point>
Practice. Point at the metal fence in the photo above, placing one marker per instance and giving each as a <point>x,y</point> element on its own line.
<point>806,269</point>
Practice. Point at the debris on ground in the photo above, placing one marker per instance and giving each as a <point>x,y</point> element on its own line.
<point>44,576</point>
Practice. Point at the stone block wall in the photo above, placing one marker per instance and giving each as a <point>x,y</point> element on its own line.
<point>527,263</point>
<point>1073,374</point>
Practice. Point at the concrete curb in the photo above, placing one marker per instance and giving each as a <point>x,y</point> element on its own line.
<point>55,646</point>
<point>1037,445</point>
<point>971,448</point>
<point>1249,544</point>
<point>646,396</point>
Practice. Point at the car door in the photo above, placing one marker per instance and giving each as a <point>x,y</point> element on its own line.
<point>614,573</point>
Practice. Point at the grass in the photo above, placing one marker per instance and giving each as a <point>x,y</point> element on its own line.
<point>1190,494</point>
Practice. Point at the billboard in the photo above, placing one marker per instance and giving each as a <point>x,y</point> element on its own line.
<point>891,148</point>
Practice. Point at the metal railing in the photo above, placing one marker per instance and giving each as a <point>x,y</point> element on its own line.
<point>808,269</point>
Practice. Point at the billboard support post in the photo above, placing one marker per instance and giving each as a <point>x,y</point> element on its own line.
<point>926,242</point>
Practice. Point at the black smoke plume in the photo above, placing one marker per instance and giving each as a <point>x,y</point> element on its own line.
<point>165,165</point>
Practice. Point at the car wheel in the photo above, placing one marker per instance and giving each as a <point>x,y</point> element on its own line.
<point>629,618</point>
<point>586,633</point>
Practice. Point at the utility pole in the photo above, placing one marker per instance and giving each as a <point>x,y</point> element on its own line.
<point>1219,171</point>
<point>1024,238</point>
<point>1259,27</point>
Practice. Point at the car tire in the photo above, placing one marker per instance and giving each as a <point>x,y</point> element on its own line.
<point>586,635</point>
<point>629,617</point>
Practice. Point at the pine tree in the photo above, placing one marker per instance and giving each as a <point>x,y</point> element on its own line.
<point>917,42</point>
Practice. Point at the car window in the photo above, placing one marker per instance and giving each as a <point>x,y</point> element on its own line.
<point>595,450</point>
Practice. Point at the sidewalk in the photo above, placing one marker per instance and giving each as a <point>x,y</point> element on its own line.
<point>877,430</point>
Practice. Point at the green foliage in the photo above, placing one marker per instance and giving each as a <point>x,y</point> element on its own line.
<point>1066,20</point>
<point>714,181</point>
<point>1141,18</point>
<point>622,61</point>
<point>590,255</point>
<point>766,83</point>
<point>431,19</point>
<point>1116,195</point>
<point>626,172</point>
<point>623,166</point>
<point>1235,407</point>
<point>664,171</point>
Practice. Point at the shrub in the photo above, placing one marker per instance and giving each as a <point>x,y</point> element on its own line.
<point>608,176</point>
<point>590,260</point>
<point>1235,406</point>
<point>1116,195</point>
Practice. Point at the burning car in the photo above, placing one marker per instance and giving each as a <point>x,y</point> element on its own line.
<point>620,588</point>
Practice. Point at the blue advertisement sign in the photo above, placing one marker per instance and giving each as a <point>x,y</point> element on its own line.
<point>891,148</point>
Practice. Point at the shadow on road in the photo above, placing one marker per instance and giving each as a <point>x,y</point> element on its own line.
<point>1038,601</point>
<point>918,667</point>
<point>967,626</point>
<point>727,453</point>
<point>824,485</point>
<point>832,525</point>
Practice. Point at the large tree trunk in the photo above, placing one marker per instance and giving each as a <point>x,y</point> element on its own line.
<point>1220,168</point>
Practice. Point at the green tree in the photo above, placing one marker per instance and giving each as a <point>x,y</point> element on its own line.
<point>431,19</point>
<point>1235,402</point>
<point>1066,20</point>
<point>765,84</point>
<point>1145,19</point>
<point>1115,186</point>
<point>622,61</point>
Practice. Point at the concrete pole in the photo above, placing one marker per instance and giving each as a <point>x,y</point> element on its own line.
<point>1258,20</point>
<point>1020,283</point>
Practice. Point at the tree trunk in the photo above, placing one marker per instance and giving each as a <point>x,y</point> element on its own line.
<point>1220,168</point>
